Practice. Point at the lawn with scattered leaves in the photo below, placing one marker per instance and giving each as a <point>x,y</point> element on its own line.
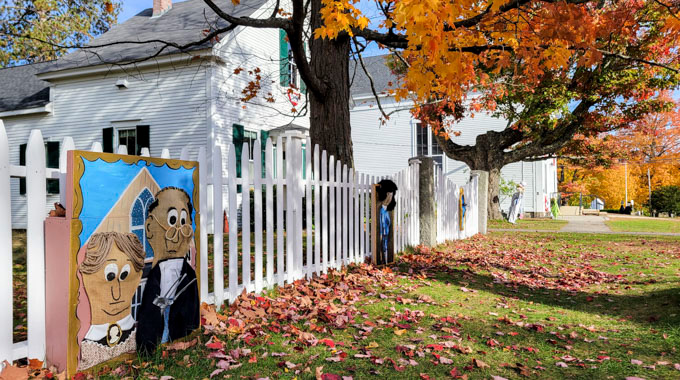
<point>529,224</point>
<point>644,225</point>
<point>508,305</point>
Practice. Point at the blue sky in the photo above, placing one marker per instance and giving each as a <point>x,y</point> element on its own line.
<point>132,7</point>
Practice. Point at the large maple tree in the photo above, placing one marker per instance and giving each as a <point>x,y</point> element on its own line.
<point>561,53</point>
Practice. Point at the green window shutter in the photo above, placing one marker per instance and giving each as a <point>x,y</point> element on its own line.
<point>22,162</point>
<point>142,139</point>
<point>283,59</point>
<point>52,159</point>
<point>264,136</point>
<point>237,138</point>
<point>107,140</point>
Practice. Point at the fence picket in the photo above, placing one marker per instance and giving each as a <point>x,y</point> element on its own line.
<point>96,147</point>
<point>270,212</point>
<point>331,218</point>
<point>35,243</point>
<point>245,217</point>
<point>279,212</point>
<point>297,210</point>
<point>66,145</point>
<point>145,152</point>
<point>233,222</point>
<point>184,153</point>
<point>165,153</point>
<point>338,208</point>
<point>290,196</point>
<point>308,205</point>
<point>6,289</point>
<point>317,212</point>
<point>122,149</point>
<point>257,209</point>
<point>218,220</point>
<point>353,214</point>
<point>202,225</point>
<point>324,211</point>
<point>343,220</point>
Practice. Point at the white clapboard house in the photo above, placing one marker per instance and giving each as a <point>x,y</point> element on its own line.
<point>380,149</point>
<point>114,95</point>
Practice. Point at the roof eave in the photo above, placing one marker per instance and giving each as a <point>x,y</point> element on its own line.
<point>47,108</point>
<point>171,59</point>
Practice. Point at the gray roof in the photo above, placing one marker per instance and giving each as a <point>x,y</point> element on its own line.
<point>383,78</point>
<point>182,24</point>
<point>21,89</point>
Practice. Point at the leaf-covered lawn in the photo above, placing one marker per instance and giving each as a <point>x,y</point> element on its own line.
<point>529,224</point>
<point>644,225</point>
<point>512,305</point>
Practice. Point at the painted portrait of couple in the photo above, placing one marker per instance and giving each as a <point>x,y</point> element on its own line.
<point>137,265</point>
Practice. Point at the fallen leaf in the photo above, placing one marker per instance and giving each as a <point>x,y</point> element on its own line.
<point>177,346</point>
<point>635,361</point>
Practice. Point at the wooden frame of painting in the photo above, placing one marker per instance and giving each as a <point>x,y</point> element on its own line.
<point>129,248</point>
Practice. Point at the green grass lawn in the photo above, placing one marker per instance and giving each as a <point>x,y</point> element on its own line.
<point>529,224</point>
<point>511,304</point>
<point>644,225</point>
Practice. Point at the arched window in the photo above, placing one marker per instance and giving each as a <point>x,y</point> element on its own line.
<point>138,216</point>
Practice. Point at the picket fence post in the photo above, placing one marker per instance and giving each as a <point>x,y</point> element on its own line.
<point>270,208</point>
<point>257,209</point>
<point>280,276</point>
<point>218,228</point>
<point>202,225</point>
<point>36,193</point>
<point>6,289</point>
<point>245,217</point>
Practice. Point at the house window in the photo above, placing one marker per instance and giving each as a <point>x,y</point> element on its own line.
<point>51,160</point>
<point>250,137</point>
<point>426,145</point>
<point>292,69</point>
<point>128,137</point>
<point>134,137</point>
<point>138,216</point>
<point>288,71</point>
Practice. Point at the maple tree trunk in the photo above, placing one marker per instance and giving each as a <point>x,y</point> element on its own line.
<point>329,113</point>
<point>494,206</point>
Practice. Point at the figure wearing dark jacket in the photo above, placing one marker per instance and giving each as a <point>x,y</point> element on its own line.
<point>183,313</point>
<point>170,303</point>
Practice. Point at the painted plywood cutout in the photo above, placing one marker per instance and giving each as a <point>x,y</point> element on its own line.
<point>133,257</point>
<point>383,202</point>
<point>462,210</point>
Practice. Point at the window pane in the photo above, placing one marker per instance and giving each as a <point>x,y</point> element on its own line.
<point>127,137</point>
<point>421,140</point>
<point>436,149</point>
<point>438,160</point>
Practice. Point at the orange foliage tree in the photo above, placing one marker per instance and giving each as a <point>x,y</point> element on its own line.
<point>651,149</point>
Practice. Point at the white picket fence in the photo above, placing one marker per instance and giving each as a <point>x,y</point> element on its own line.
<point>278,250</point>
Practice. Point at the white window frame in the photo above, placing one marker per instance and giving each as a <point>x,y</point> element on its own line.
<point>430,144</point>
<point>122,126</point>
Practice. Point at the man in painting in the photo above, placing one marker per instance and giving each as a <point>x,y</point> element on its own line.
<point>111,272</point>
<point>170,308</point>
<point>386,192</point>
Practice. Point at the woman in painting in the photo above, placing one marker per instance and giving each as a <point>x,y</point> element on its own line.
<point>386,192</point>
<point>111,272</point>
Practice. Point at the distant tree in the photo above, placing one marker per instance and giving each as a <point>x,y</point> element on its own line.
<point>667,199</point>
<point>26,24</point>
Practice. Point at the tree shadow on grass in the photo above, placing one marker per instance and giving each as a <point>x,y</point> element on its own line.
<point>655,307</point>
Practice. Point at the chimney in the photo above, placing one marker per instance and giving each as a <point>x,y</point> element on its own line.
<point>160,7</point>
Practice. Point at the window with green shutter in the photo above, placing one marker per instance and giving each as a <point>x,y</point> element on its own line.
<point>284,60</point>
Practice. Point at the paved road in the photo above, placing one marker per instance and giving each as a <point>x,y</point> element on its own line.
<point>585,223</point>
<point>590,224</point>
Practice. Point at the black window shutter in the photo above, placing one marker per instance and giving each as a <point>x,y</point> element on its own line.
<point>22,162</point>
<point>142,139</point>
<point>237,139</point>
<point>107,140</point>
<point>52,159</point>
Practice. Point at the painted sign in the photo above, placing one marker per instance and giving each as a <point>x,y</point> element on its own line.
<point>132,256</point>
<point>383,202</point>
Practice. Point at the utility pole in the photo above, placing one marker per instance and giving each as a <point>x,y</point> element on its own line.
<point>649,186</point>
<point>625,165</point>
